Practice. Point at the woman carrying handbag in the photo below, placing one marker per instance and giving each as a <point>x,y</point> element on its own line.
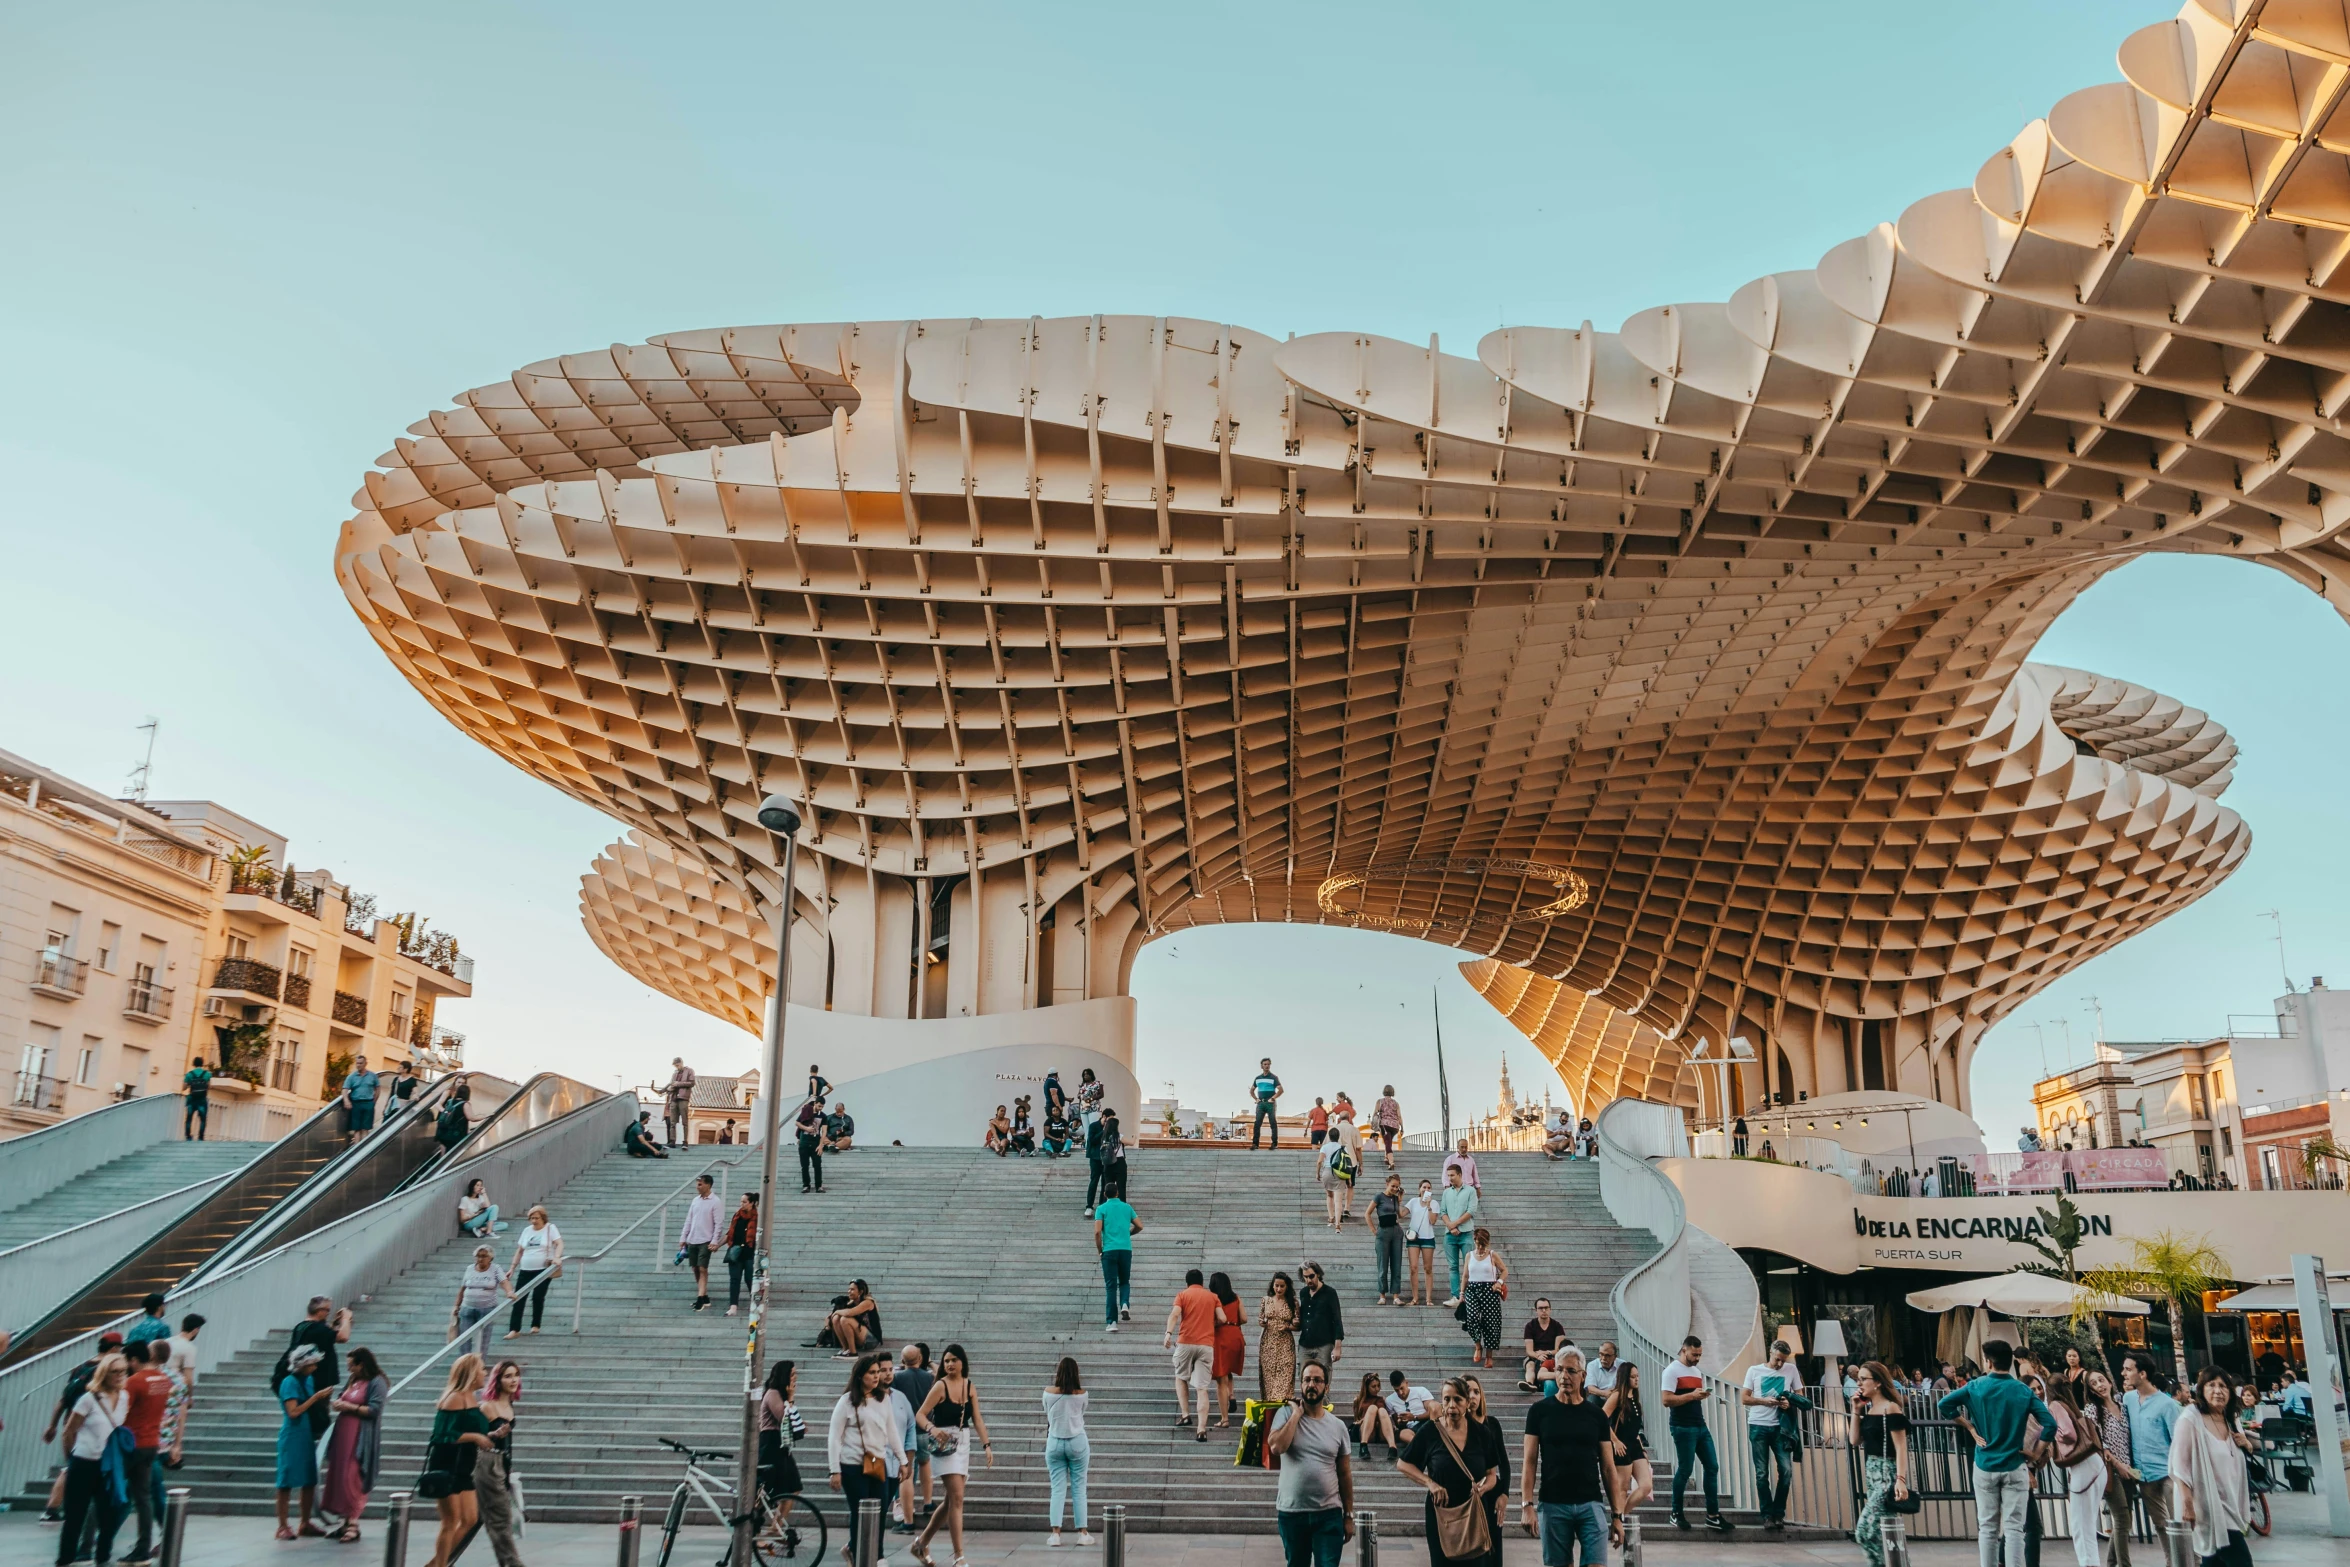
<point>1880,1429</point>
<point>1455,1461</point>
<point>2078,1453</point>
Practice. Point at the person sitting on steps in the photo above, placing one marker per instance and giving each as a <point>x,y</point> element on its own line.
<point>856,1325</point>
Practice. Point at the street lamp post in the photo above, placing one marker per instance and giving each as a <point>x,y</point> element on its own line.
<point>780,817</point>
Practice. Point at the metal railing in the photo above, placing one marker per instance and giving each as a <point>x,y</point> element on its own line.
<point>1518,1138</point>
<point>250,975</point>
<point>60,974</point>
<point>661,1232</point>
<point>351,1257</point>
<point>40,1274</point>
<point>144,1001</point>
<point>38,1091</point>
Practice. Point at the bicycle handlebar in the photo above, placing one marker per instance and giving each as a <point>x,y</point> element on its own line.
<point>695,1454</point>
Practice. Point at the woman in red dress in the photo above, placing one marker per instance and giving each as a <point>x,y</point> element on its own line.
<point>1231,1343</point>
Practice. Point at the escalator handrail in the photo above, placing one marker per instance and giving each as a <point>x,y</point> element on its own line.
<point>471,1146</point>
<point>27,1343</point>
<point>260,1236</point>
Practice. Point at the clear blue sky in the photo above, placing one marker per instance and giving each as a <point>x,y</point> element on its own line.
<point>249,244</point>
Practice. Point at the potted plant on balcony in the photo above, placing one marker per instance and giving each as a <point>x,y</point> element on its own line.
<point>249,869</point>
<point>242,1047</point>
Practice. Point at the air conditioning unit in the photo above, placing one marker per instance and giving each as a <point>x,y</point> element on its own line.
<point>216,1006</point>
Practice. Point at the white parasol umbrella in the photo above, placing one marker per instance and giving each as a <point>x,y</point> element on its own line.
<point>2024,1295</point>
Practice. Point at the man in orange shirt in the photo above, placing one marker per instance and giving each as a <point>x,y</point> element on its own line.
<point>150,1392</point>
<point>1191,1334</point>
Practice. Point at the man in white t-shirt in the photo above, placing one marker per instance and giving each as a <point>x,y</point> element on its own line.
<point>704,1219</point>
<point>1768,1397</point>
<point>1408,1403</point>
<point>1600,1376</point>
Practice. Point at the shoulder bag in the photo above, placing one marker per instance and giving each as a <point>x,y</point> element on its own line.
<point>1461,1531</point>
<point>873,1466</point>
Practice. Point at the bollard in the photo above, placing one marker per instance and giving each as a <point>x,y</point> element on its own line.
<point>396,1529</point>
<point>1114,1535</point>
<point>175,1524</point>
<point>1366,1537</point>
<point>2178,1546</point>
<point>1632,1546</point>
<point>869,1532</point>
<point>632,1529</point>
<point>1895,1535</point>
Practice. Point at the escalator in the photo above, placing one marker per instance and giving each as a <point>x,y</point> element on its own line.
<point>306,1180</point>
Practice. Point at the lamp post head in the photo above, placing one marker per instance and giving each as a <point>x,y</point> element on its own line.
<point>778,815</point>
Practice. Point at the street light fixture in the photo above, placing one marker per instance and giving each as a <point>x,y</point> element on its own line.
<point>782,818</point>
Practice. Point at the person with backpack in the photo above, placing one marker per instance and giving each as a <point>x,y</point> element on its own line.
<point>454,1122</point>
<point>1337,1174</point>
<point>1113,1156</point>
<point>77,1382</point>
<point>198,1085</point>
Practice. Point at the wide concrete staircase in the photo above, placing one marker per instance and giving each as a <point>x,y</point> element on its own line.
<point>959,1246</point>
<point>119,1183</point>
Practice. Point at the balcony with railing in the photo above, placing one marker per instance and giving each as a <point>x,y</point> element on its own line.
<point>351,1011</point>
<point>298,991</point>
<point>144,1001</point>
<point>249,977</point>
<point>61,976</point>
<point>38,1091</point>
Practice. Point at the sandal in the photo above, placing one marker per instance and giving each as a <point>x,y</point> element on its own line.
<point>284,1533</point>
<point>349,1535</point>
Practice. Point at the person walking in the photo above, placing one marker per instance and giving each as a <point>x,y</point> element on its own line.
<point>1456,1208</point>
<point>1738,1138</point>
<point>1459,1464</point>
<point>911,1381</point>
<point>1191,1337</point>
<point>183,1368</point>
<point>1231,1344</point>
<point>355,1445</point>
<point>1768,1396</point>
<point>1466,1162</point>
<point>1113,1155</point>
<point>2113,1440</point>
<point>2207,1471</point>
<point>1387,1232</point>
<point>1484,1280</point>
<point>90,1423</point>
<point>152,1324</point>
<point>405,1087</point>
<point>1277,1340</point>
<point>1629,1423</point>
<point>538,1261</point>
<point>697,1237</point>
<point>455,1122</point>
<point>859,1443</point>
<point>1683,1393</point>
<point>149,1391</point>
<point>1313,1503</point>
<point>950,1417</point>
<point>196,1091</point>
<point>1265,1093</point>
<point>2154,1418</point>
<point>677,1103</point>
<point>460,1436</point>
<point>358,1100</point>
<point>1346,1126</point>
<point>742,1249</point>
<point>479,1289</point>
<point>1067,1453</point>
<point>780,1425</point>
<point>1387,1121</point>
<point>1317,1123</point>
<point>809,1129</point>
<point>1422,1216</point>
<point>493,1468</point>
<point>1880,1429</point>
<point>1321,1329</point>
<point>2077,1449</point>
<point>1337,1170</point>
<point>1115,1224</point>
<point>2000,1410</point>
<point>1569,1483</point>
<point>298,1391</point>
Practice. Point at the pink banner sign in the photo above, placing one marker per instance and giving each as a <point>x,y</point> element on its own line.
<point>1997,1174</point>
<point>2108,1169</point>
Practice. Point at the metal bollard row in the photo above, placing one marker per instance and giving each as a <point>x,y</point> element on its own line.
<point>1633,1546</point>
<point>2178,1546</point>
<point>396,1528</point>
<point>632,1529</point>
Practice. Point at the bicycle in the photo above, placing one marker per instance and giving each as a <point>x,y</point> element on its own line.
<point>781,1528</point>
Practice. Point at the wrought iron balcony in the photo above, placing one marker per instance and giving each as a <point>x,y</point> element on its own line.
<point>298,991</point>
<point>351,1010</point>
<point>250,975</point>
<point>38,1091</point>
<point>146,1002</point>
<point>60,976</point>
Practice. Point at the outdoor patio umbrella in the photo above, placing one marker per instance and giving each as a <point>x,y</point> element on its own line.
<point>2024,1295</point>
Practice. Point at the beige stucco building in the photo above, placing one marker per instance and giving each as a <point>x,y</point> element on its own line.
<point>135,938</point>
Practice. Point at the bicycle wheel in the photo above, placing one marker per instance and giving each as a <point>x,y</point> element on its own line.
<point>799,1538</point>
<point>2259,1518</point>
<point>670,1525</point>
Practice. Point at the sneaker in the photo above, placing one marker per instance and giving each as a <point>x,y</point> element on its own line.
<point>1109,1327</point>
<point>1089,1213</point>
<point>1052,1541</point>
<point>701,1302</point>
<point>52,1515</point>
<point>1456,1300</point>
<point>733,1310</point>
<point>1084,1537</point>
<point>1681,1522</point>
<point>1717,1523</point>
<point>1125,1314</point>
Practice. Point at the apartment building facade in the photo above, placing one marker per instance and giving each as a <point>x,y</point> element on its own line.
<point>138,938</point>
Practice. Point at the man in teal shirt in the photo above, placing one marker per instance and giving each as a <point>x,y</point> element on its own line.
<point>1458,1205</point>
<point>1999,1408</point>
<point>1114,1227</point>
<point>2154,1415</point>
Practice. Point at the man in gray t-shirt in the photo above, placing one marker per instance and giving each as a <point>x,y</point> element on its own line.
<point>1315,1503</point>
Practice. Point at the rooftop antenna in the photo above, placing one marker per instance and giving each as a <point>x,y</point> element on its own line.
<point>2040,1032</point>
<point>2098,1007</point>
<point>2277,918</point>
<point>2066,1024</point>
<point>136,789</point>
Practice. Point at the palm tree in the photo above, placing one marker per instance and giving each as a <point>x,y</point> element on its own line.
<point>2167,1266</point>
<point>2319,1155</point>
